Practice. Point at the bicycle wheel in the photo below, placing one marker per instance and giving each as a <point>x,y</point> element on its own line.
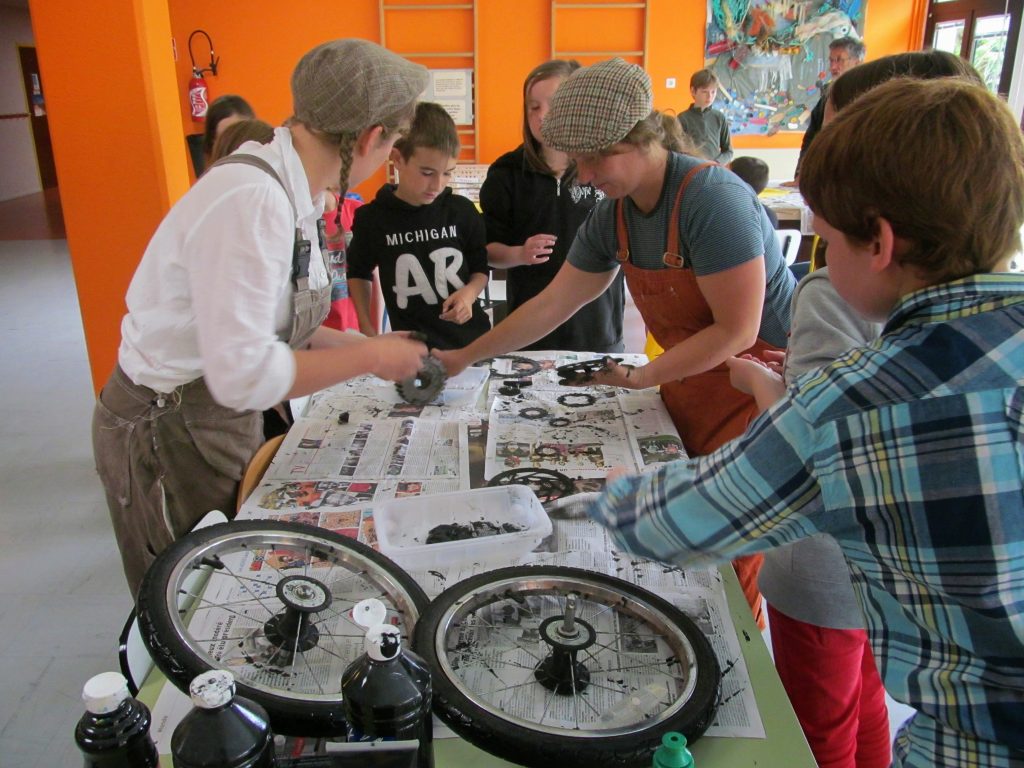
<point>560,666</point>
<point>270,602</point>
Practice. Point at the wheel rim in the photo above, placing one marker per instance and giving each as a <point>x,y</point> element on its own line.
<point>627,690</point>
<point>278,606</point>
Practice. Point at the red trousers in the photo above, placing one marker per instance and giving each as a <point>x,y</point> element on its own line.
<point>833,684</point>
<point>747,568</point>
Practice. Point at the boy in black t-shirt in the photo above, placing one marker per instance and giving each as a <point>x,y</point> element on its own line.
<point>429,244</point>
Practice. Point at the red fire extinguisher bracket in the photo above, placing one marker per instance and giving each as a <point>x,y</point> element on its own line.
<point>198,91</point>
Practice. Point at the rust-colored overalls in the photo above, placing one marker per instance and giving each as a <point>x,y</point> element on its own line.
<point>706,409</point>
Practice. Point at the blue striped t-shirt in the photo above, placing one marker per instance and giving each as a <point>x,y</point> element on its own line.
<point>721,225</point>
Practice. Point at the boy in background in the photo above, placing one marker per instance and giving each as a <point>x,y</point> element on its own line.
<point>706,126</point>
<point>754,171</point>
<point>429,244</point>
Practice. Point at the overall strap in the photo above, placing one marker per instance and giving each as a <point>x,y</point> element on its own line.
<point>301,247</point>
<point>673,254</point>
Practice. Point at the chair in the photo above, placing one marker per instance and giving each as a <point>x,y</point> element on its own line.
<point>789,242</point>
<point>257,467</point>
<point>132,655</point>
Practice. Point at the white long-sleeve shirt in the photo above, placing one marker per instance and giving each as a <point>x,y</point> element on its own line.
<point>213,291</point>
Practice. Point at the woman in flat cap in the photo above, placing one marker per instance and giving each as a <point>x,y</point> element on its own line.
<point>700,257</point>
<point>225,308</point>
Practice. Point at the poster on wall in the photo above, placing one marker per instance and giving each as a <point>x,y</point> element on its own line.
<point>453,90</point>
<point>771,58</point>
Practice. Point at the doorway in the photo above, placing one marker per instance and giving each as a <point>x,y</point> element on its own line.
<point>36,102</point>
<point>982,31</point>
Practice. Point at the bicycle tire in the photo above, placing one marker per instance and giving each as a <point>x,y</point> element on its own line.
<point>489,725</point>
<point>181,656</point>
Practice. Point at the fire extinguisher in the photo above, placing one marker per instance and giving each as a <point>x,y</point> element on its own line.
<point>197,100</point>
<point>198,93</point>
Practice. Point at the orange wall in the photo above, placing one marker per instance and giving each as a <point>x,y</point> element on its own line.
<point>107,69</point>
<point>107,168</point>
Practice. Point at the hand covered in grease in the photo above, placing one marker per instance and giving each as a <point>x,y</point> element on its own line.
<point>615,374</point>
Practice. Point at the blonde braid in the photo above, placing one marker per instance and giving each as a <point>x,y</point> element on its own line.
<point>346,147</point>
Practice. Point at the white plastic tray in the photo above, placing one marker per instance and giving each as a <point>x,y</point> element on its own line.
<point>404,525</point>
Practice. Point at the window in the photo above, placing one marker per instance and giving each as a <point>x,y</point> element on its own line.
<point>982,31</point>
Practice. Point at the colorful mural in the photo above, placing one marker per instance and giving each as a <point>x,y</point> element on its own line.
<point>771,57</point>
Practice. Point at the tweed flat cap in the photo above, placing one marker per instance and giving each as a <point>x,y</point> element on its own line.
<point>597,106</point>
<point>344,86</point>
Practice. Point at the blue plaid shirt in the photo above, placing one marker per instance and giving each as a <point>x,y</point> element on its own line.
<point>910,452</point>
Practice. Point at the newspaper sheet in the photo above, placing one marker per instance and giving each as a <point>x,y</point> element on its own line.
<point>407,447</point>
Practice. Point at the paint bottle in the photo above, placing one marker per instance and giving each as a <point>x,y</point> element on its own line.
<point>222,730</point>
<point>386,692</point>
<point>114,731</point>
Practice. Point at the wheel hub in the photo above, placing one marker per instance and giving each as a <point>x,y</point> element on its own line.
<point>292,630</point>
<point>567,636</point>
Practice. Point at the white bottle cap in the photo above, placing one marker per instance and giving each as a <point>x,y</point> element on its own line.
<point>383,642</point>
<point>369,612</point>
<point>105,692</point>
<point>212,689</point>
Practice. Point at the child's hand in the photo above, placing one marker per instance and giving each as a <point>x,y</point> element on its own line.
<point>398,356</point>
<point>458,308</point>
<point>755,377</point>
<point>453,360</point>
<point>537,249</point>
<point>775,359</point>
<point>615,473</point>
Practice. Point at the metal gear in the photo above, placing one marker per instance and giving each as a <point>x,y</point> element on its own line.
<point>426,385</point>
<point>546,483</point>
<point>577,399</point>
<point>533,412</point>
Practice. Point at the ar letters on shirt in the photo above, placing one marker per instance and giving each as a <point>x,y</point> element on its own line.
<point>412,280</point>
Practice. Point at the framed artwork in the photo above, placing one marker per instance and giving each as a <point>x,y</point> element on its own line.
<point>771,57</point>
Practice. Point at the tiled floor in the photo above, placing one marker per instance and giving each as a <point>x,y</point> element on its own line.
<point>62,596</point>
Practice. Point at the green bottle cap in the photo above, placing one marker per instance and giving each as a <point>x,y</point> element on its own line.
<point>673,752</point>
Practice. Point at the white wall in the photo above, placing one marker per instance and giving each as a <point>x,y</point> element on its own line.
<point>19,174</point>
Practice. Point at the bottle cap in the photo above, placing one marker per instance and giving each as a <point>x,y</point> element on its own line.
<point>212,689</point>
<point>105,692</point>
<point>383,642</point>
<point>369,612</point>
<point>673,752</point>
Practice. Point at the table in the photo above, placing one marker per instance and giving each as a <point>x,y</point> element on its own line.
<point>470,437</point>
<point>789,206</point>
